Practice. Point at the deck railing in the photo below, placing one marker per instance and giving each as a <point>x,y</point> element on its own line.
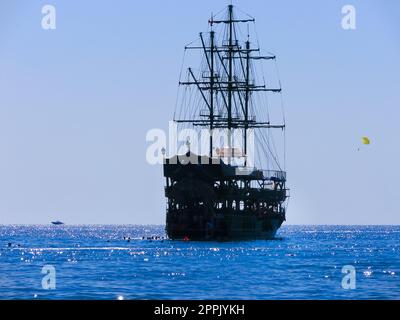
<point>256,173</point>
<point>273,174</point>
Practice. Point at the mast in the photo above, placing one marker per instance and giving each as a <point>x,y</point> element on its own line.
<point>247,97</point>
<point>211,91</point>
<point>230,77</point>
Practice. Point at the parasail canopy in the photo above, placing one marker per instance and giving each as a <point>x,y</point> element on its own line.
<point>366,141</point>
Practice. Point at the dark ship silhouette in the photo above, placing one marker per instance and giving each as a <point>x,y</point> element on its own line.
<point>210,197</point>
<point>57,223</point>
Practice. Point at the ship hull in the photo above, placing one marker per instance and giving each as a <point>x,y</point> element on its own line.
<point>209,200</point>
<point>228,227</point>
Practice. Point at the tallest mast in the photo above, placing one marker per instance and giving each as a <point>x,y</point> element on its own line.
<point>230,61</point>
<point>230,78</point>
<point>212,34</point>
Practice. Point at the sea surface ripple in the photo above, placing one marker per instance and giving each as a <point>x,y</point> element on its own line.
<point>96,262</point>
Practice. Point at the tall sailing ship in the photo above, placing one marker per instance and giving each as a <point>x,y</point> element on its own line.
<point>236,190</point>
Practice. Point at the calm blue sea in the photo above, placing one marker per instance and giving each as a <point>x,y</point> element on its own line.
<point>95,262</point>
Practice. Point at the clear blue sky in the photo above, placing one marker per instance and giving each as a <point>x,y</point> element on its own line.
<point>76,103</point>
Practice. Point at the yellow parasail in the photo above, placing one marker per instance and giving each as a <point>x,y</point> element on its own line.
<point>366,141</point>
